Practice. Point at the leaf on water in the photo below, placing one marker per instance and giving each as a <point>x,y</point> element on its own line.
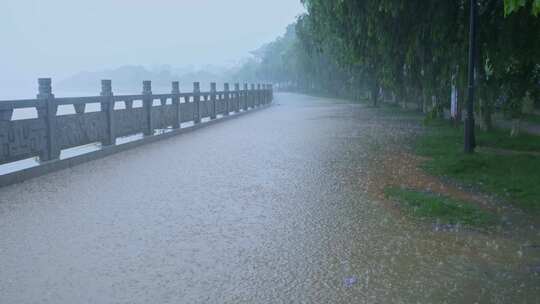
<point>350,281</point>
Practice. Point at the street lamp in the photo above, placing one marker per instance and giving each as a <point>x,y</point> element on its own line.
<point>470,142</point>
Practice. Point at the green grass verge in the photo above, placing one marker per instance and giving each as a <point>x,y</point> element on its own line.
<point>501,139</point>
<point>514,177</point>
<point>441,208</point>
<point>532,118</point>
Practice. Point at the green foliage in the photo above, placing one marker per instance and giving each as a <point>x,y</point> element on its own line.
<point>444,209</point>
<point>413,50</point>
<point>512,175</point>
<point>499,139</point>
<point>511,6</point>
<point>532,118</point>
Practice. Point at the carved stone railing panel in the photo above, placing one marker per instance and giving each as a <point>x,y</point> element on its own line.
<point>186,112</point>
<point>20,139</point>
<point>220,107</point>
<point>129,121</point>
<point>49,133</point>
<point>80,129</point>
<point>206,108</point>
<point>163,116</point>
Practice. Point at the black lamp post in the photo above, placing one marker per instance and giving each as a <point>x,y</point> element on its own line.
<point>470,142</point>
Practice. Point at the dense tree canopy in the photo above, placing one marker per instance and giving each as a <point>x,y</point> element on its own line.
<point>511,6</point>
<point>411,51</point>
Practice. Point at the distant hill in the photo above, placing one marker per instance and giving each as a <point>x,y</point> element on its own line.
<point>128,79</point>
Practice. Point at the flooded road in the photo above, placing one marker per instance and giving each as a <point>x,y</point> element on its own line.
<point>267,208</point>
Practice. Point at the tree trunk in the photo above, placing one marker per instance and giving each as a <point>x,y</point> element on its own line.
<point>374,94</point>
<point>405,97</point>
<point>420,101</point>
<point>425,102</point>
<point>461,102</point>
<point>486,123</point>
<point>485,99</point>
<point>516,126</point>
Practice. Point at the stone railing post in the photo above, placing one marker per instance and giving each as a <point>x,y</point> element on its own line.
<point>175,91</point>
<point>245,97</point>
<point>5,121</point>
<point>47,110</point>
<point>197,102</point>
<point>252,96</point>
<point>227,98</point>
<point>237,97</point>
<point>213,90</point>
<point>271,92</point>
<point>107,106</point>
<point>147,105</point>
<point>263,94</point>
<point>5,115</point>
<point>268,96</point>
<point>259,95</point>
<point>79,108</point>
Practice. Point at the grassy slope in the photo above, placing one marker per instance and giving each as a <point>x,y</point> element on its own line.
<point>444,209</point>
<point>531,118</point>
<point>514,177</point>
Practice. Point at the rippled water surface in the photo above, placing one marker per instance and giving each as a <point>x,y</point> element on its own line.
<point>266,208</point>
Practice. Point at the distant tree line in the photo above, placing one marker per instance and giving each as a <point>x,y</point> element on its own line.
<point>409,52</point>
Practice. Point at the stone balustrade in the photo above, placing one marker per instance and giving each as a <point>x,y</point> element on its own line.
<point>119,116</point>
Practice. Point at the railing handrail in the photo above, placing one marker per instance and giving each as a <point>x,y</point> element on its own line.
<point>35,102</point>
<point>49,133</point>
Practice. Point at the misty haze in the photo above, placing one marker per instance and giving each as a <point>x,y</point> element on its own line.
<point>77,43</point>
<point>286,151</point>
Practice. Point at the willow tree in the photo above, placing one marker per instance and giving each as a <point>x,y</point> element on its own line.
<point>511,6</point>
<point>412,50</point>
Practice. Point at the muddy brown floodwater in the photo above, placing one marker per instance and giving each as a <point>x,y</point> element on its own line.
<point>272,207</point>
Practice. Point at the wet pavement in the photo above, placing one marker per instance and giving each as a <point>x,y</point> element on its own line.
<point>267,208</point>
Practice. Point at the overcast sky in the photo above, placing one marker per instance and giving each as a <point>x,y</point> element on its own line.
<point>58,38</point>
